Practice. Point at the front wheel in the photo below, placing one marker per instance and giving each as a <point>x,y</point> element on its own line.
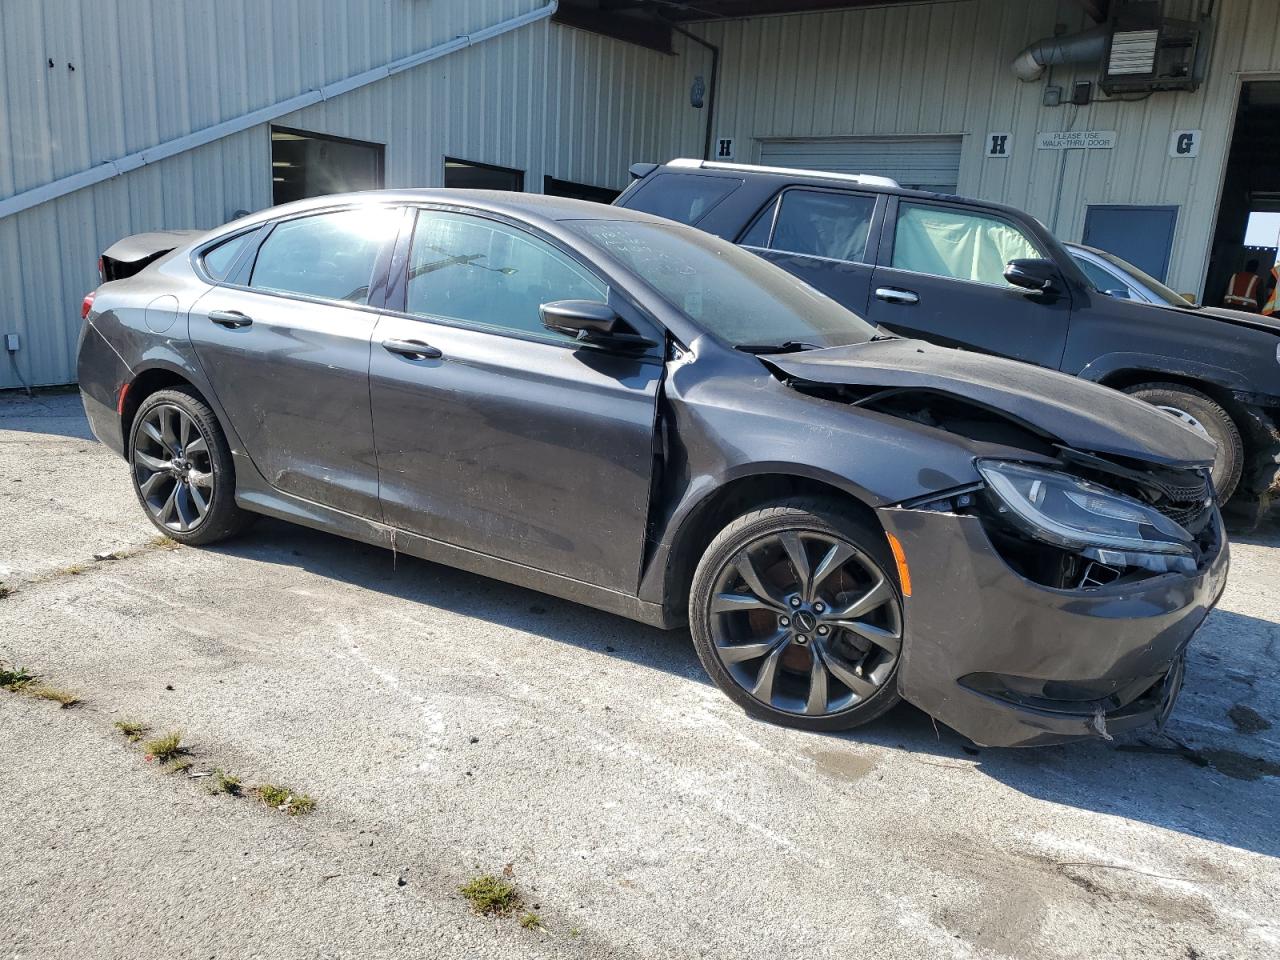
<point>797,617</point>
<point>1206,416</point>
<point>182,469</point>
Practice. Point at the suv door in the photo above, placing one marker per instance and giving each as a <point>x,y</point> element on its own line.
<point>284,342</point>
<point>496,434</point>
<point>940,276</point>
<point>824,237</point>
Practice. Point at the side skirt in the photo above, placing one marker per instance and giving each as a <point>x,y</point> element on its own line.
<point>273,503</point>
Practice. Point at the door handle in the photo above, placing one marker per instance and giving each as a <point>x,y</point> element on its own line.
<point>231,319</point>
<point>412,349</point>
<point>894,295</point>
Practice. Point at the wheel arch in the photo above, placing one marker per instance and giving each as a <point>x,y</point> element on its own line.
<point>717,507</point>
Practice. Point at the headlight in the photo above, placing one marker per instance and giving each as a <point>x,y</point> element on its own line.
<point>1080,516</point>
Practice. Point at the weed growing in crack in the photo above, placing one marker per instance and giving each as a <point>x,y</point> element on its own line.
<point>490,896</point>
<point>284,799</point>
<point>64,698</point>
<point>166,748</point>
<point>132,729</point>
<point>227,783</point>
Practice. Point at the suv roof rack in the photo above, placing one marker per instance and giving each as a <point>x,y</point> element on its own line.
<point>866,179</point>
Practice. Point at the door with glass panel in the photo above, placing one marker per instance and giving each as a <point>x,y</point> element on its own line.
<point>496,434</point>
<point>290,318</point>
<point>940,277</point>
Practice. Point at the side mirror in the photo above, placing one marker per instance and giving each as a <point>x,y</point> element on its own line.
<point>593,322</point>
<point>1038,276</point>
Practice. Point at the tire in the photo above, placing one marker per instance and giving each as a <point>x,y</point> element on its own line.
<point>1202,411</point>
<point>179,460</point>
<point>761,644</point>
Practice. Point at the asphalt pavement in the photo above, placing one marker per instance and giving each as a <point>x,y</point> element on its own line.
<point>449,726</point>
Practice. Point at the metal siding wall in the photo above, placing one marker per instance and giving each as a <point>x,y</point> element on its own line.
<point>545,99</point>
<point>944,68</point>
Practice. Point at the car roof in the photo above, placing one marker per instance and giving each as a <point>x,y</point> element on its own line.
<point>523,206</point>
<point>819,178</point>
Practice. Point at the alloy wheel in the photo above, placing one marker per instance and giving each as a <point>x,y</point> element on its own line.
<point>173,468</point>
<point>805,622</point>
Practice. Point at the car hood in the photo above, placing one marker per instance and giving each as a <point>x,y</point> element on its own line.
<point>1241,319</point>
<point>1065,409</point>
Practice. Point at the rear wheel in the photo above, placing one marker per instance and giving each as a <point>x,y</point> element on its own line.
<point>182,469</point>
<point>797,618</point>
<point>1205,415</point>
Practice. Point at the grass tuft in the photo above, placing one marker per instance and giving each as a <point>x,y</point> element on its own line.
<point>15,679</point>
<point>180,765</point>
<point>224,782</point>
<point>284,799</point>
<point>132,729</point>
<point>490,896</point>
<point>531,921</point>
<point>64,697</point>
<point>166,748</point>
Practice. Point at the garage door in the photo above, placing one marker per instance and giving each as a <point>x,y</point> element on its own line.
<point>925,163</point>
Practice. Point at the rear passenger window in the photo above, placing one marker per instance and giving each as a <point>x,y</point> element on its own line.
<point>219,261</point>
<point>330,255</point>
<point>818,223</point>
<point>685,197</point>
<point>962,245</point>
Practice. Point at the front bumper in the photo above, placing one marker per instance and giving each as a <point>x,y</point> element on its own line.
<point>1008,662</point>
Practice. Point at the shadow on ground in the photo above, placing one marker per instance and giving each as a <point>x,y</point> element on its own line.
<point>1143,776</point>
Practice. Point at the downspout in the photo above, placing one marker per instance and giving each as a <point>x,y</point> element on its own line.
<point>171,148</point>
<point>1086,46</point>
<point>711,86</point>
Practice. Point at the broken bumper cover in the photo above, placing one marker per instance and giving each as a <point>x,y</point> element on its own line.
<point>1008,662</point>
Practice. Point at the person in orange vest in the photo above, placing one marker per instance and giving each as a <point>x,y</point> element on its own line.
<point>1242,291</point>
<point>1272,306</point>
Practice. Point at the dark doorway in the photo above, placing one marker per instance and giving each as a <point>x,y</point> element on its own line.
<point>481,176</point>
<point>1250,191</point>
<point>578,191</point>
<point>1141,235</point>
<point>311,165</point>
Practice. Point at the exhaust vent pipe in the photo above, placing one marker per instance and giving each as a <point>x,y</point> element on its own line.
<point>1083,47</point>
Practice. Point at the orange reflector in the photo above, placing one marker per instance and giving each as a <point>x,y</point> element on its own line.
<point>124,392</point>
<point>904,574</point>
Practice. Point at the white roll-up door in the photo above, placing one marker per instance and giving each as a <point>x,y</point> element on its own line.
<point>923,163</point>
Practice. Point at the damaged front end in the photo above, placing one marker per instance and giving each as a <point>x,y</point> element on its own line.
<point>1055,595</point>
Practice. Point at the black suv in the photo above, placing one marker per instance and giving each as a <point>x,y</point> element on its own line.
<point>983,276</point>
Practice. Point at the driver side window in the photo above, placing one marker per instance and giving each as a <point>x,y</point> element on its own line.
<point>487,273</point>
<point>959,244</point>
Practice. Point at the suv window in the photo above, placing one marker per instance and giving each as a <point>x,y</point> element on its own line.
<point>1099,277</point>
<point>483,272</point>
<point>816,223</point>
<point>945,242</point>
<point>685,197</point>
<point>219,260</point>
<point>329,255</point>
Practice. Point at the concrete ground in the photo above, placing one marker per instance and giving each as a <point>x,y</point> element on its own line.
<point>448,725</point>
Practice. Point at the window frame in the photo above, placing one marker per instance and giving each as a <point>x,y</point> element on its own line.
<point>251,249</point>
<point>242,271</point>
<point>379,148</point>
<point>889,240</point>
<point>396,301</point>
<point>874,226</point>
<point>638,187</point>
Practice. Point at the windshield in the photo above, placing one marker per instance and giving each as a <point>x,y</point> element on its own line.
<point>1152,285</point>
<point>734,295</point>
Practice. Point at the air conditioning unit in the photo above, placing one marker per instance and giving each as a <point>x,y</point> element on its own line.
<point>1148,51</point>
